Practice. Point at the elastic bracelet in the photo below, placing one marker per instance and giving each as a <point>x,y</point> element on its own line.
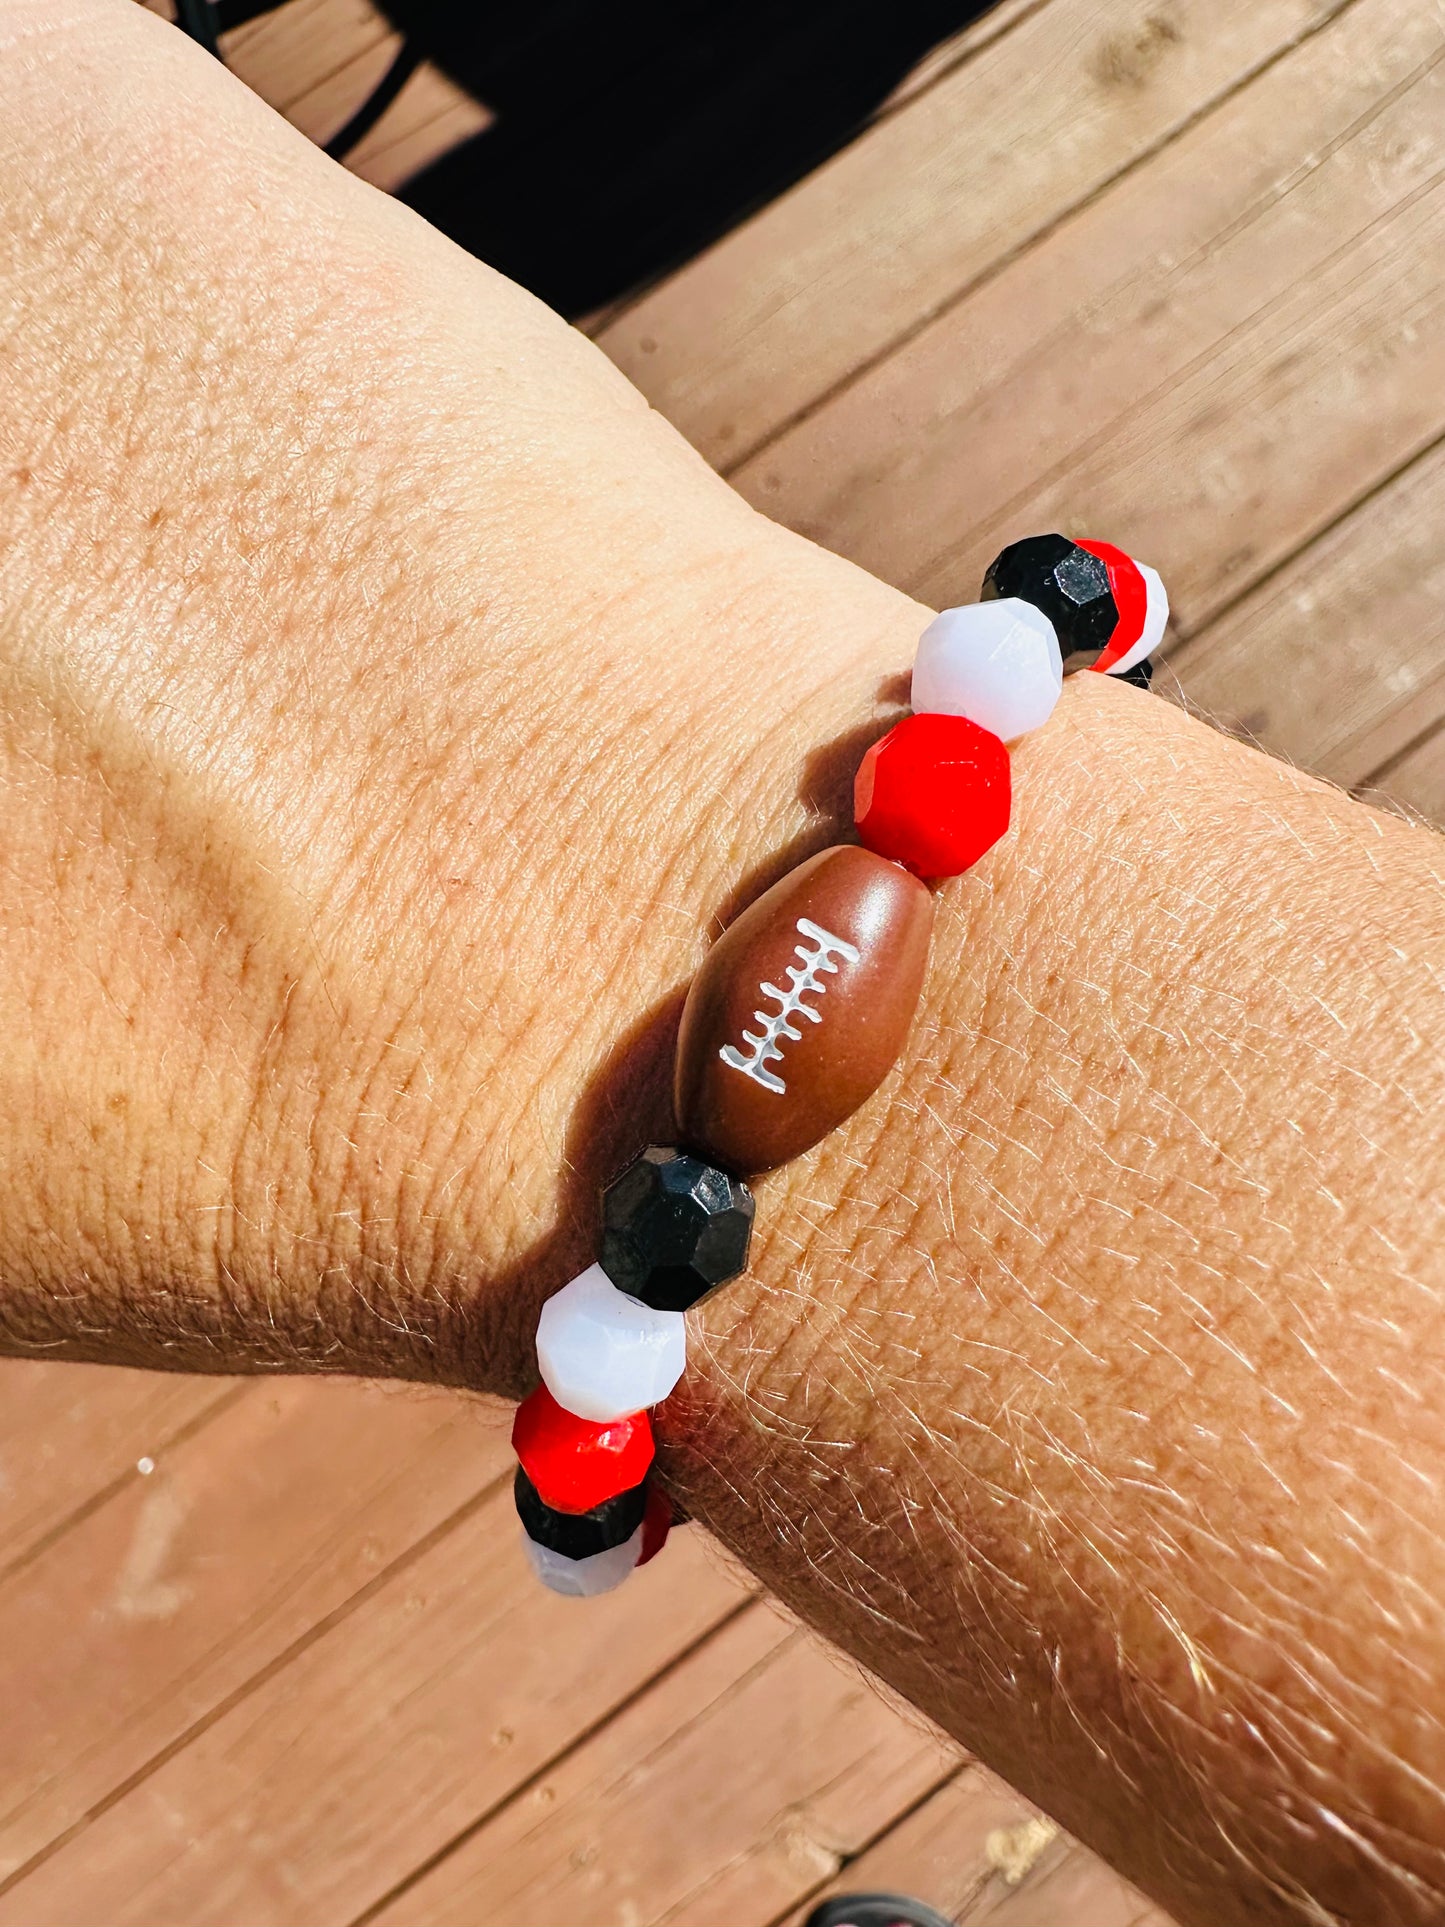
<point>799,1012</point>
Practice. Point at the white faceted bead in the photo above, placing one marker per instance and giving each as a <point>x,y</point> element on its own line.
<point>603,1354</point>
<point>997,663</point>
<point>1156,620</point>
<point>584,1578</point>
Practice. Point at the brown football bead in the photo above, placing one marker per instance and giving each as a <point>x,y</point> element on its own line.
<point>801,1009</point>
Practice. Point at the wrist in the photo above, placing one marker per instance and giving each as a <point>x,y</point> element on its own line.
<point>688,809</point>
<point>407,742</point>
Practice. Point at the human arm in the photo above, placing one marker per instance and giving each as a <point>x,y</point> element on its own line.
<point>392,709</point>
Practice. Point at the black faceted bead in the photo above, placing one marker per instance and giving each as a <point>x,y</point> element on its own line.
<point>577,1535</point>
<point>673,1228</point>
<point>1069,584</point>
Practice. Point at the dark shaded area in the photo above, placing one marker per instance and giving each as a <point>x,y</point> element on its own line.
<point>198,18</point>
<point>874,1910</point>
<point>376,103</point>
<point>629,136</point>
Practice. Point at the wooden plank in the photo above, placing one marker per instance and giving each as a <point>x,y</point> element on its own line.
<point>1415,782</point>
<point>1074,1887</point>
<point>947,1851</point>
<point>930,201</point>
<point>380,1742</point>
<point>316,61</point>
<point>1338,660</point>
<point>323,110</point>
<point>1399,729</point>
<point>975,1847</point>
<point>187,1583</point>
<point>1211,362</point>
<point>1001,18</point>
<point>717,1798</point>
<point>286,54</point>
<point>71,1433</point>
<point>429,117</point>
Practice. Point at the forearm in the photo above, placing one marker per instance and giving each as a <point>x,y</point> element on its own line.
<point>392,711</point>
<point>1089,1387</point>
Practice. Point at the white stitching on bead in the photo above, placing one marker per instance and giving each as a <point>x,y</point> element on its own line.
<point>803,979</point>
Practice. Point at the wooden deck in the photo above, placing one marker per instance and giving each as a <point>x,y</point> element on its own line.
<point>1169,269</point>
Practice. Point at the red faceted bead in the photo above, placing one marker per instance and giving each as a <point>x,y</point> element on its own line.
<point>933,795</point>
<point>1131,599</point>
<point>574,1463</point>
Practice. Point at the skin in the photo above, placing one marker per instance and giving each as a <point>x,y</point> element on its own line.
<point>392,711</point>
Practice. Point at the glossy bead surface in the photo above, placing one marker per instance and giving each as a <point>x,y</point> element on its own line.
<point>602,1355</point>
<point>674,1228</point>
<point>577,1535</point>
<point>1063,579</point>
<point>1143,605</point>
<point>585,1578</point>
<point>997,663</point>
<point>801,1009</point>
<point>1156,621</point>
<point>575,1463</point>
<point>934,794</point>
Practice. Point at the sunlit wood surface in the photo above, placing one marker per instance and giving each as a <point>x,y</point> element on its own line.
<point>1166,269</point>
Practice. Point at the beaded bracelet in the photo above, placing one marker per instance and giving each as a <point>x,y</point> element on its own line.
<point>837,950</point>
